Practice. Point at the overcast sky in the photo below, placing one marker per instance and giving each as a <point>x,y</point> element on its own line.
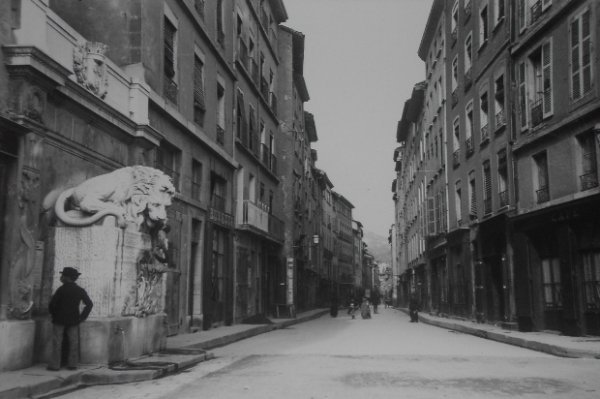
<point>360,65</point>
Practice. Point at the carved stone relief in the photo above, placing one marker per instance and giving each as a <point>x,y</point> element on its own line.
<point>90,67</point>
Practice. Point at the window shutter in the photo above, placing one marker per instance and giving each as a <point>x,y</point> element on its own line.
<point>575,63</point>
<point>487,181</point>
<point>198,85</point>
<point>522,94</point>
<point>547,77</point>
<point>169,48</point>
<point>586,50</point>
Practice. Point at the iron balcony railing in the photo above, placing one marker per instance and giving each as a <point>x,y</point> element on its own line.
<point>543,194</point>
<point>536,11</point>
<point>537,114</point>
<point>456,157</point>
<point>469,146</point>
<point>500,119</point>
<point>485,134</point>
<point>503,198</point>
<point>589,180</point>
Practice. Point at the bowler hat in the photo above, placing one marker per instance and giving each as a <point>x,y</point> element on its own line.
<point>70,272</point>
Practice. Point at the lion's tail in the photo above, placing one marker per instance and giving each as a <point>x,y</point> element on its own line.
<point>63,216</point>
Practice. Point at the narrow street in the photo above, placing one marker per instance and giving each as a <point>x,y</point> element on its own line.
<point>377,358</point>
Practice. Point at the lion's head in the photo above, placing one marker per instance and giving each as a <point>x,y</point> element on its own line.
<point>151,194</point>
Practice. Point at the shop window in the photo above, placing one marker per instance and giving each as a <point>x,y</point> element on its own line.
<point>551,283</point>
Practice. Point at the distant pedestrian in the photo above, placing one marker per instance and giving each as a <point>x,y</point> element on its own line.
<point>352,308</point>
<point>413,309</point>
<point>64,310</point>
<point>365,309</point>
<point>376,300</point>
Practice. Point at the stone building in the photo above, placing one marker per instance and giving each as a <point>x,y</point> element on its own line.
<point>357,235</point>
<point>556,131</point>
<point>259,213</point>
<point>343,245</point>
<point>328,284</point>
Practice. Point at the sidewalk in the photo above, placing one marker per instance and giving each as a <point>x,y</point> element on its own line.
<point>554,344</point>
<point>183,351</point>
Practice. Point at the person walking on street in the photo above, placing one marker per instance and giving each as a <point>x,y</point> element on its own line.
<point>365,309</point>
<point>413,309</point>
<point>375,299</point>
<point>64,310</point>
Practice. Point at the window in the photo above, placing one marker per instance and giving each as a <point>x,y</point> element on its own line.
<point>468,58</point>
<point>591,279</point>
<point>502,179</point>
<point>522,93</point>
<point>169,60</point>
<point>498,11</point>
<point>522,6</point>
<point>589,167</point>
<point>218,192</point>
<point>500,116</point>
<point>472,196</point>
<point>220,113</point>
<point>220,23</point>
<point>199,102</point>
<point>168,160</point>
<point>581,55</point>
<point>454,21</point>
<point>551,283</point>
<point>456,141</point>
<point>537,83</point>
<point>483,26</point>
<point>487,188</point>
<point>455,73</point>
<point>483,117</point>
<point>469,128</point>
<point>196,179</point>
<point>541,183</point>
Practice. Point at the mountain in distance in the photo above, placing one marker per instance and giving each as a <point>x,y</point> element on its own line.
<point>378,246</point>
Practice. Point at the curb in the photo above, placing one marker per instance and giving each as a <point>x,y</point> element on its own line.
<point>500,337</point>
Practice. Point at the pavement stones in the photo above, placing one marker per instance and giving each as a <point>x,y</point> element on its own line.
<point>183,351</point>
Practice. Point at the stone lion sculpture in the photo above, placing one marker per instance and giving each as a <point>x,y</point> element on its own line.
<point>134,194</point>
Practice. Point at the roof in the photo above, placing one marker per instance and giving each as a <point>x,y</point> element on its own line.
<point>412,110</point>
<point>322,177</point>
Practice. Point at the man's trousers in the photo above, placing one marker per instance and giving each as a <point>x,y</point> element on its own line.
<point>71,333</point>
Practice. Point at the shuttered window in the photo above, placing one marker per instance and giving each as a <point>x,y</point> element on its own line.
<point>199,84</point>
<point>487,187</point>
<point>169,48</point>
<point>431,216</point>
<point>472,196</point>
<point>581,55</point>
<point>521,76</point>
<point>547,77</point>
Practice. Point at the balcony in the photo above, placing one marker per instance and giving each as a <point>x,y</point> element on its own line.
<point>485,134</point>
<point>170,90</point>
<point>588,180</point>
<point>503,198</point>
<point>220,135</point>
<point>468,79</point>
<point>537,114</point>
<point>454,97</point>
<point>500,119</point>
<point>456,158</point>
<point>254,215</point>
<point>469,146</point>
<point>543,194</point>
<point>536,11</point>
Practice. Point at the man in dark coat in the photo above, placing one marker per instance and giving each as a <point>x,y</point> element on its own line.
<point>64,309</point>
<point>413,308</point>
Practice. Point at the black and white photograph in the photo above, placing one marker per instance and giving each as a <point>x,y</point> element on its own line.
<point>299,199</point>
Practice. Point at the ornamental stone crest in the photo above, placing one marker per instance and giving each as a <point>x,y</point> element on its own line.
<point>90,67</point>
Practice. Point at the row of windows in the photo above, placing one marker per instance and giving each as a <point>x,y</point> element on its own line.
<point>497,13</point>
